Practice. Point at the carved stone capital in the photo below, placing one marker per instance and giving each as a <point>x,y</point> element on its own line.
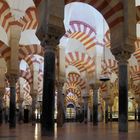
<point>12,79</point>
<point>60,83</point>
<point>122,56</point>
<point>95,86</point>
<point>52,36</point>
<point>122,52</point>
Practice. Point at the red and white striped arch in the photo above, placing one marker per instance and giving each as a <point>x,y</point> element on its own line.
<point>109,66</point>
<point>137,50</point>
<point>26,50</point>
<point>112,10</point>
<point>83,32</point>
<point>71,98</point>
<point>5,15</point>
<point>135,73</point>
<point>103,87</point>
<point>31,60</point>
<point>80,60</point>
<point>136,89</point>
<point>106,39</point>
<point>72,88</point>
<point>29,21</point>
<point>27,76</point>
<point>26,92</point>
<point>5,51</point>
<point>76,79</point>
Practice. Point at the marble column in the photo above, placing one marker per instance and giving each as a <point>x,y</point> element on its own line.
<point>110,107</point>
<point>95,104</point>
<point>34,101</point>
<point>139,112</point>
<point>12,78</point>
<point>60,104</point>
<point>20,116</point>
<point>85,98</point>
<point>1,109</point>
<point>48,87</point>
<point>123,95</point>
<point>106,112</point>
<point>1,105</point>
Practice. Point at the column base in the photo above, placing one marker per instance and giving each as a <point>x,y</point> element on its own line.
<point>48,133</point>
<point>123,128</point>
<point>95,115</point>
<point>123,125</point>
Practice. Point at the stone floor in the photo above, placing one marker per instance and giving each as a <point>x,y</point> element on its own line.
<point>72,131</point>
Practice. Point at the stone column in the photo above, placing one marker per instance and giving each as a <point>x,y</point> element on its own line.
<point>1,106</point>
<point>135,114</point>
<point>110,113</point>
<point>123,90</point>
<point>106,111</point>
<point>139,112</point>
<point>95,103</point>
<point>60,104</point>
<point>34,101</point>
<point>110,104</point>
<point>48,86</point>
<point>123,96</point>
<point>12,78</point>
<point>85,98</point>
<point>20,117</point>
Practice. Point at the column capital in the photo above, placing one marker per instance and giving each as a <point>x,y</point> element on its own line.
<point>122,57</point>
<point>12,79</point>
<point>52,37</point>
<point>95,86</point>
<point>122,52</point>
<point>59,83</point>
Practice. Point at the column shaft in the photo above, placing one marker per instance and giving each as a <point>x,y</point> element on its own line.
<point>48,92</point>
<point>1,111</point>
<point>60,106</point>
<point>33,108</point>
<point>138,112</point>
<point>12,109</point>
<point>95,107</point>
<point>123,97</point>
<point>111,113</point>
<point>106,112</point>
<point>20,117</point>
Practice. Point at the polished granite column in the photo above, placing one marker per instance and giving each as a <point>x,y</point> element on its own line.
<point>34,100</point>
<point>95,104</point>
<point>1,109</point>
<point>85,98</point>
<point>139,112</point>
<point>60,104</point>
<point>47,119</point>
<point>2,91</point>
<point>20,116</point>
<point>12,78</point>
<point>106,112</point>
<point>123,95</point>
<point>110,107</point>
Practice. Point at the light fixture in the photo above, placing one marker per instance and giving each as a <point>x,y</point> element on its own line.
<point>104,77</point>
